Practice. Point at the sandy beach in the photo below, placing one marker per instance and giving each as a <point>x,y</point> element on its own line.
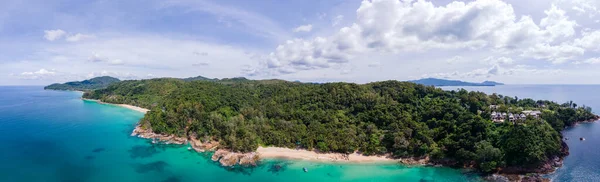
<point>286,153</point>
<point>135,108</point>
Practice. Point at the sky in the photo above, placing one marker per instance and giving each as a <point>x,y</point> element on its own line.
<point>512,41</point>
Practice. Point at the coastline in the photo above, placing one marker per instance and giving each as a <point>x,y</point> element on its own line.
<point>228,158</point>
<point>302,154</point>
<point>135,108</point>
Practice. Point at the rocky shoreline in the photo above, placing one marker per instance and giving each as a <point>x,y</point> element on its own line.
<point>528,174</point>
<point>228,158</point>
<point>224,157</point>
<point>166,139</point>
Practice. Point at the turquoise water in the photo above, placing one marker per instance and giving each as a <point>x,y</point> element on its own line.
<point>54,136</point>
<point>583,163</point>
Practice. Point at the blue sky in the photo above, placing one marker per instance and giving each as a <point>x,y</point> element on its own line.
<point>513,41</point>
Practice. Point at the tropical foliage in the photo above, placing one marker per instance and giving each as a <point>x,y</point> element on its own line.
<point>390,117</point>
<point>91,84</point>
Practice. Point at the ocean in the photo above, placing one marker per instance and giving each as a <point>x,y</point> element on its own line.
<point>54,136</point>
<point>583,163</point>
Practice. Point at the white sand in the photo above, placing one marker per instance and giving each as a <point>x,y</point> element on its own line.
<point>285,153</point>
<point>135,108</point>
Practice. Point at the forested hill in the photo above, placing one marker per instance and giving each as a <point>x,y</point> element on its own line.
<point>442,82</point>
<point>91,84</point>
<point>390,117</point>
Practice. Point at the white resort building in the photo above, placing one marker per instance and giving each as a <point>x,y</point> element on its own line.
<point>500,117</point>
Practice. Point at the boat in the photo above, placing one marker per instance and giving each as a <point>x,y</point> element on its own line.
<point>189,148</point>
<point>582,139</point>
<point>305,169</point>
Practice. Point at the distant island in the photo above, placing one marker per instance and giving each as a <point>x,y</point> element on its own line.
<point>443,82</point>
<point>85,85</point>
<point>105,81</point>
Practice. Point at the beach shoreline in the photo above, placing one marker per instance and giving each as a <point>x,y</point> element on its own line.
<point>135,108</point>
<point>302,154</point>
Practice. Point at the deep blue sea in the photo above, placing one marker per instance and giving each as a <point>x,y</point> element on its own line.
<point>583,163</point>
<point>54,136</point>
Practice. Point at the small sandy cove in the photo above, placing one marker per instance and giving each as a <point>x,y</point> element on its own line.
<point>286,153</point>
<point>135,108</point>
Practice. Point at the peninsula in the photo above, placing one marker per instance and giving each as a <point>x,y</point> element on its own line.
<point>85,85</point>
<point>243,120</point>
<point>443,82</point>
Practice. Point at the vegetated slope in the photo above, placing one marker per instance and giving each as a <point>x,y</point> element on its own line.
<point>91,84</point>
<point>390,117</point>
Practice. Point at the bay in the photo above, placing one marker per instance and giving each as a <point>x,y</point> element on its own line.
<point>55,136</point>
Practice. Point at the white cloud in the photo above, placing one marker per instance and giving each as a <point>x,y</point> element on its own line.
<point>589,40</point>
<point>455,59</point>
<point>59,76</point>
<point>480,38</point>
<point>498,61</point>
<point>120,75</point>
<point>321,15</point>
<point>116,62</point>
<point>52,35</point>
<point>417,26</point>
<point>79,37</point>
<point>592,61</point>
<point>337,20</point>
<point>557,54</point>
<point>495,71</point>
<point>59,34</point>
<point>303,28</point>
<point>374,64</point>
<point>142,54</point>
<point>200,53</point>
<point>200,64</point>
<point>589,7</point>
<point>259,24</point>
<point>96,58</point>
<point>595,60</point>
<point>557,23</point>
<point>40,74</point>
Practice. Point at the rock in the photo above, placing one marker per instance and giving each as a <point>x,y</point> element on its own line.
<point>415,160</point>
<point>218,154</point>
<point>230,159</point>
<point>249,159</point>
<point>227,158</point>
<point>149,134</point>
<point>496,178</point>
<point>200,146</point>
<point>534,178</point>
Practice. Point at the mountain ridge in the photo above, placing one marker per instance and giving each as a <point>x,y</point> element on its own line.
<point>444,82</point>
<point>85,85</point>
